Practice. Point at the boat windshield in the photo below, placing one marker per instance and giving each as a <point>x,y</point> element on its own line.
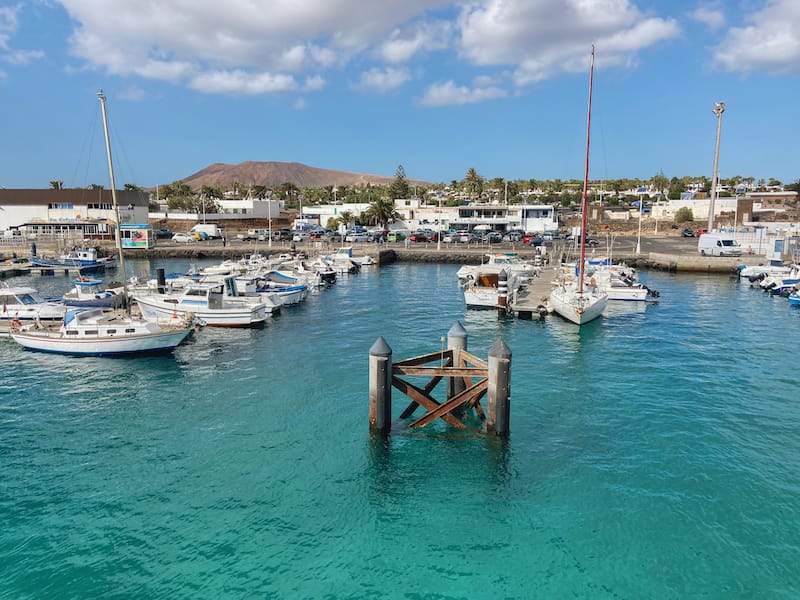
<point>19,299</point>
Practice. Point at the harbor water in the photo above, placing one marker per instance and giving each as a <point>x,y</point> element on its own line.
<point>654,453</point>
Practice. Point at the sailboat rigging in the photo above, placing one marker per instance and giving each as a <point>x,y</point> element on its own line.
<point>571,299</point>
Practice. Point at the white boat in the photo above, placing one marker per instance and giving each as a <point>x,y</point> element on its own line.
<point>88,292</point>
<point>92,332</point>
<point>759,272</point>
<point>209,302</point>
<point>484,291</point>
<point>619,282</point>
<point>22,305</point>
<point>617,288</point>
<point>508,262</point>
<point>572,299</point>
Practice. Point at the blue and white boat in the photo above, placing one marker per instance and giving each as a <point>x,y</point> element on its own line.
<point>89,292</point>
<point>85,260</point>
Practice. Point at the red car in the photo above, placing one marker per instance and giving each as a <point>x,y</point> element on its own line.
<point>418,237</point>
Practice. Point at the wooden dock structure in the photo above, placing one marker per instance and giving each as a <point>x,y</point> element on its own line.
<point>469,378</point>
<point>532,300</point>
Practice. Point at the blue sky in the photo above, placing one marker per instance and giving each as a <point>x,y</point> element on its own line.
<point>434,85</point>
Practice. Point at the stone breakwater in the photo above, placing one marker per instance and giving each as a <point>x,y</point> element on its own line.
<point>652,260</point>
<point>685,261</point>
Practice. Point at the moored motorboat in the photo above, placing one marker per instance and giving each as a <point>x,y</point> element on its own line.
<point>88,292</point>
<point>22,305</point>
<point>84,260</point>
<point>209,301</point>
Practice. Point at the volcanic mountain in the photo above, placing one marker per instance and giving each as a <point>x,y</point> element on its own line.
<point>271,174</point>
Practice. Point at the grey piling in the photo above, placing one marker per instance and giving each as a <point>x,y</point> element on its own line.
<point>499,392</point>
<point>502,292</point>
<point>380,386</point>
<point>456,341</point>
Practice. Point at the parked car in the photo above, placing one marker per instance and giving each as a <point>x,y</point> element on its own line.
<point>492,237</point>
<point>183,238</point>
<point>688,232</point>
<point>164,233</point>
<point>301,236</point>
<point>536,240</point>
<point>395,236</point>
<point>418,236</point>
<point>356,236</point>
<point>282,235</point>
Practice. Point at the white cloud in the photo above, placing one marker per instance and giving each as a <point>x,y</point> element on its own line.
<point>9,23</point>
<point>299,104</point>
<point>242,82</point>
<point>132,93</point>
<point>383,80</point>
<point>449,94</point>
<point>223,47</point>
<point>314,83</point>
<point>209,41</point>
<point>402,45</point>
<point>552,36</point>
<point>771,43</point>
<point>23,57</point>
<point>713,18</point>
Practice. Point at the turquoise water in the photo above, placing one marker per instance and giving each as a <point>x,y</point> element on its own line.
<point>653,454</point>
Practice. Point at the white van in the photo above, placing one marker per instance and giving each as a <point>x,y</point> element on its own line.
<point>718,244</point>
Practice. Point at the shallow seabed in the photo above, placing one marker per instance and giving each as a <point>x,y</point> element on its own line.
<point>653,454</point>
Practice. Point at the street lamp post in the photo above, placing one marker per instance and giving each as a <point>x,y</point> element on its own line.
<point>639,237</point>
<point>719,108</point>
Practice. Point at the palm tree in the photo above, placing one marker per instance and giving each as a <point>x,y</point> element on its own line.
<point>474,183</point>
<point>382,212</point>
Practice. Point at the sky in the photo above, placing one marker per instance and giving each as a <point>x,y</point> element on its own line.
<point>437,86</point>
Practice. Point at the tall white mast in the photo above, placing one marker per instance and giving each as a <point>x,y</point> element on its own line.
<point>117,232</point>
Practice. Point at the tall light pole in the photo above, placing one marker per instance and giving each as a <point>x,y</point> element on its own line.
<point>639,237</point>
<point>719,108</point>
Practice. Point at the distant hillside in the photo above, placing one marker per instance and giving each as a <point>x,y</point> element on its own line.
<point>270,174</point>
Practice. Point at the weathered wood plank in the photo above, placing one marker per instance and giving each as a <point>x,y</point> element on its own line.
<point>413,406</point>
<point>424,400</point>
<point>440,371</point>
<point>426,358</point>
<point>468,357</point>
<point>444,409</point>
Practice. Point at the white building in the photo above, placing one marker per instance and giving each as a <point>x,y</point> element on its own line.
<point>70,212</point>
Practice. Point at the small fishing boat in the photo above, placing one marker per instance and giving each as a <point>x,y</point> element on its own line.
<point>93,332</point>
<point>88,292</point>
<point>84,260</point>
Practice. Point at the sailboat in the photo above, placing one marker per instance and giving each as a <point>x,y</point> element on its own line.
<point>93,332</point>
<point>572,298</point>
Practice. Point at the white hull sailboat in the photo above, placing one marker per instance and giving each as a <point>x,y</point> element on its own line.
<point>91,331</point>
<point>573,299</point>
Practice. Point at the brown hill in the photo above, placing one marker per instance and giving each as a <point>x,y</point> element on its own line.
<point>270,174</point>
